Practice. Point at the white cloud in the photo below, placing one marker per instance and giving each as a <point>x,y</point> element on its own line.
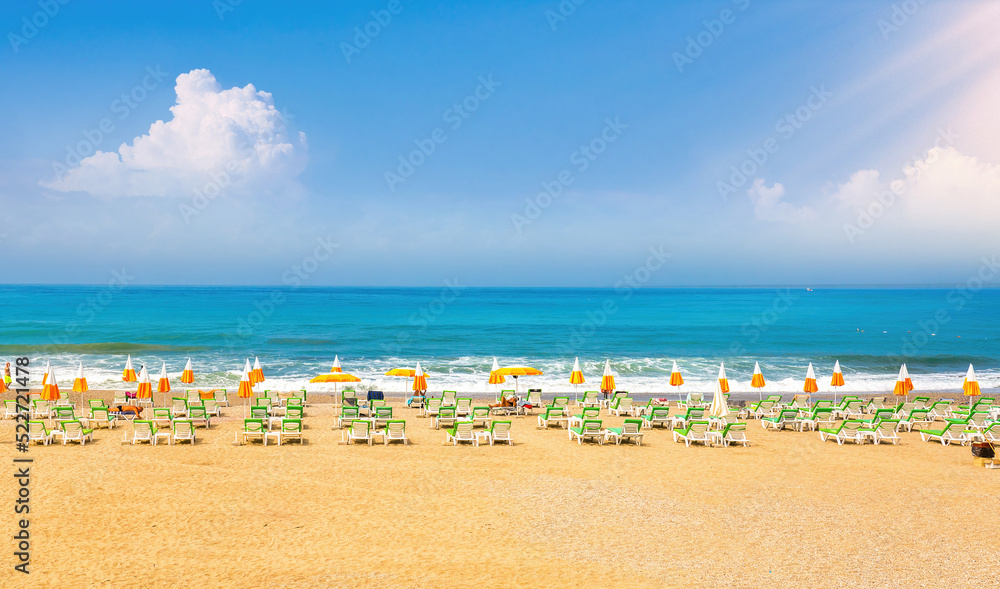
<point>769,206</point>
<point>235,134</point>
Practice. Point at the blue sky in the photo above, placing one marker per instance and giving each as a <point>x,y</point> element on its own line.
<point>638,115</point>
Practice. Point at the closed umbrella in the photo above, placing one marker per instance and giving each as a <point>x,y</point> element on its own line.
<point>676,380</point>
<point>145,388</point>
<point>258,372</point>
<point>757,381</point>
<point>970,388</point>
<point>187,377</point>
<point>336,364</point>
<point>80,384</point>
<point>607,379</point>
<point>903,384</point>
<point>50,390</point>
<point>723,381</point>
<point>128,375</point>
<point>576,375</point>
<point>163,386</point>
<point>719,406</point>
<point>45,375</point>
<point>837,380</point>
<point>419,379</point>
<point>496,378</point>
<point>246,389</point>
<point>810,385</point>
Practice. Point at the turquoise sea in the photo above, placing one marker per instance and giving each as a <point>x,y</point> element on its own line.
<point>455,332</point>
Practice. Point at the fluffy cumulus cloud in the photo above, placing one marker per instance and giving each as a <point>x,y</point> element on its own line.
<point>769,204</point>
<point>233,139</point>
<point>945,192</point>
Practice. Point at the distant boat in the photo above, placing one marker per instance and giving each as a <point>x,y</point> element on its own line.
<point>809,290</point>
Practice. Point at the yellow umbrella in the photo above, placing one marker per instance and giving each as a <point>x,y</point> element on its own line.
<point>408,373</point>
<point>676,380</point>
<point>495,376</point>
<point>187,377</point>
<point>50,391</point>
<point>757,381</point>
<point>608,379</point>
<point>971,386</point>
<point>128,375</point>
<point>517,371</point>
<point>145,388</point>
<point>419,379</point>
<point>837,380</point>
<point>723,381</point>
<point>576,376</point>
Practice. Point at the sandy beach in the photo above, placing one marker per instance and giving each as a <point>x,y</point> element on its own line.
<point>546,512</point>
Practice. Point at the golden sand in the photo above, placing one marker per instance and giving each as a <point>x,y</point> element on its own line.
<point>789,510</point>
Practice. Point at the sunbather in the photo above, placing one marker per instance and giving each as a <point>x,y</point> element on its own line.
<point>506,402</point>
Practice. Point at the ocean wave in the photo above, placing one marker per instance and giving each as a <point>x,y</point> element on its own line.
<point>98,348</point>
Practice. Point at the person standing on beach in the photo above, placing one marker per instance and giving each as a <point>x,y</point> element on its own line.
<point>6,373</point>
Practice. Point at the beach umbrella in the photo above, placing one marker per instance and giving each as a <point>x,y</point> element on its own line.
<point>719,407</point>
<point>45,375</point>
<point>903,384</point>
<point>676,380</point>
<point>517,371</point>
<point>80,384</point>
<point>3,385</point>
<point>163,386</point>
<point>837,380</point>
<point>335,377</point>
<point>50,390</point>
<point>336,364</point>
<point>128,375</point>
<point>145,388</point>
<point>258,372</point>
<point>723,381</point>
<point>246,389</point>
<point>408,373</point>
<point>576,375</point>
<point>495,376</point>
<point>810,385</point>
<point>419,379</point>
<point>607,379</point>
<point>971,386</point>
<point>187,377</point>
<point>757,381</point>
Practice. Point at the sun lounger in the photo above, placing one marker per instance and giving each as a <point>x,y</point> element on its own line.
<point>883,430</point>
<point>657,416</point>
<point>102,416</point>
<point>585,413</point>
<point>553,415</point>
<point>253,429</point>
<point>847,431</point>
<point>291,429</point>
<point>182,430</point>
<point>590,399</point>
<point>431,407</point>
<point>682,421</point>
<point>382,415</point>
<point>786,418</point>
<point>461,432</point>
<point>198,415</point>
<point>446,417</point>
<point>815,417</point>
<point>735,433</point>
<point>500,432</point>
<point>463,406</point>
<point>73,431</point>
<point>395,431</point>
<point>347,415</point>
<point>37,432</point>
<point>179,407</point>
<point>590,429</point>
<point>954,432</point>
<point>480,416</point>
<point>623,406</point>
<point>916,417</point>
<point>449,398</point>
<point>631,429</point>
<point>144,431</point>
<point>696,431</point>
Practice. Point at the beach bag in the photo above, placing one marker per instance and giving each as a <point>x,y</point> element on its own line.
<point>982,450</point>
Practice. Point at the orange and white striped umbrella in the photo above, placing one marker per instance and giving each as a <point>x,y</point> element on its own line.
<point>3,385</point>
<point>258,372</point>
<point>247,369</point>
<point>903,383</point>
<point>128,375</point>
<point>971,386</point>
<point>608,379</point>
<point>419,379</point>
<point>145,389</point>
<point>246,387</point>
<point>336,364</point>
<point>164,385</point>
<point>838,376</point>
<point>495,376</point>
<point>723,381</point>
<point>80,384</point>
<point>187,377</point>
<point>810,385</point>
<point>45,375</point>
<point>576,376</point>
<point>50,390</point>
<point>676,380</point>
<point>757,380</point>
